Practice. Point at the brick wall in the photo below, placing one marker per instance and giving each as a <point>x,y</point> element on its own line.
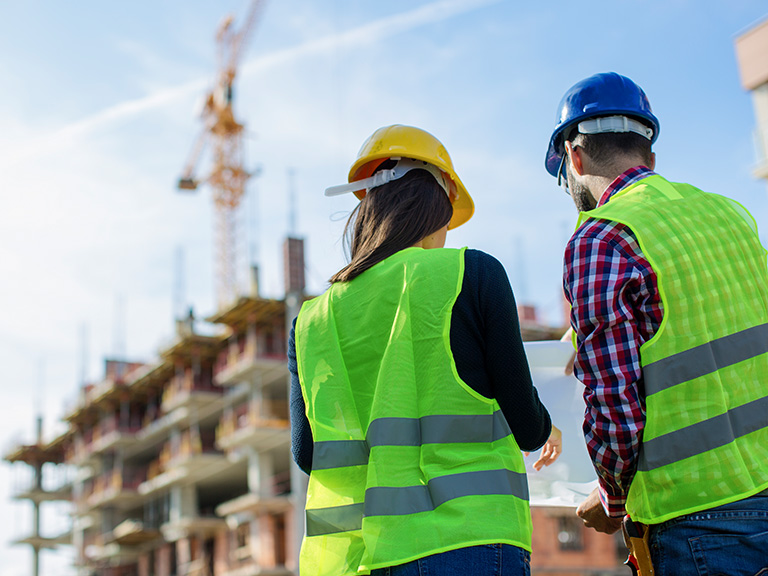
<point>560,540</point>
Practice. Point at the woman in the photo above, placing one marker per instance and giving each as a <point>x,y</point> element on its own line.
<point>411,396</point>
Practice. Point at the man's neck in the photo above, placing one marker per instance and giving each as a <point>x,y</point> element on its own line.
<point>599,183</point>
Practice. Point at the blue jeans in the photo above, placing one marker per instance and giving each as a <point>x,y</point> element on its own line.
<point>487,560</point>
<point>730,540</point>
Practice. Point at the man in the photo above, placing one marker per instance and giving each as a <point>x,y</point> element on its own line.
<point>669,308</point>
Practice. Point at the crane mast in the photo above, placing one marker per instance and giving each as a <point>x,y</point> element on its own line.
<point>225,135</point>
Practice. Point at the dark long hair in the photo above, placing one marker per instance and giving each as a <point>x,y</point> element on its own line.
<point>393,217</point>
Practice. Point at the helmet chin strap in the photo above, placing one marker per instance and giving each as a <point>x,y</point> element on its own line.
<point>403,166</point>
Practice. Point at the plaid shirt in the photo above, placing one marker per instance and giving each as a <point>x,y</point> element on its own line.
<point>616,307</point>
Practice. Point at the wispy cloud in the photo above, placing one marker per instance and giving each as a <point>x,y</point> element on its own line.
<point>373,32</point>
<point>52,141</point>
<point>363,35</point>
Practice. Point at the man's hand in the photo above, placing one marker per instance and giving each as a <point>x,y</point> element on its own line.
<point>594,516</point>
<point>568,337</point>
<point>552,449</point>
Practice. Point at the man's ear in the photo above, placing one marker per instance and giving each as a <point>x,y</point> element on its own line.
<point>653,161</point>
<point>576,154</point>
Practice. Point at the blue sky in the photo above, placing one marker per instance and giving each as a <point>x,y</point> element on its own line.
<point>98,113</point>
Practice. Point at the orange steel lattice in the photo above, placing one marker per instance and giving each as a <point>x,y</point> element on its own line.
<point>227,176</point>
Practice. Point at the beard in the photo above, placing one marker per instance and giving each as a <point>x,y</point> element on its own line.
<point>580,194</point>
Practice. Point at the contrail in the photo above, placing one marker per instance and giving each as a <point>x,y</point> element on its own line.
<point>371,33</point>
<point>362,35</point>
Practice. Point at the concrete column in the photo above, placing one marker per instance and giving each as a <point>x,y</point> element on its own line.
<point>174,438</point>
<point>78,536</point>
<point>184,554</point>
<point>299,483</point>
<point>261,471</point>
<point>183,503</point>
<point>255,543</point>
<point>294,295</point>
<point>256,400</point>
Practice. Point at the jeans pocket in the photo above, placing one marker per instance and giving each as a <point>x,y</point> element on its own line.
<point>731,554</point>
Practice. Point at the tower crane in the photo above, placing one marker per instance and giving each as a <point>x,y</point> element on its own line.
<point>220,130</point>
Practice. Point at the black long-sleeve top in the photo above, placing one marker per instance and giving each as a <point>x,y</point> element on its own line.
<point>487,348</point>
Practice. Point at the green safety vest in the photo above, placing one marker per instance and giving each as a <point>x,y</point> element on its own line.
<point>705,371</point>
<point>408,460</point>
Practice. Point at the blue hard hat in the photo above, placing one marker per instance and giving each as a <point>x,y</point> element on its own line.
<point>605,94</point>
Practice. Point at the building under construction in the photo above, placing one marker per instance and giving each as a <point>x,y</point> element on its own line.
<point>182,465</point>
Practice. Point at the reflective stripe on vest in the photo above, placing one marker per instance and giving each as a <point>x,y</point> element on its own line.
<point>705,359</point>
<point>705,371</point>
<point>414,499</point>
<point>704,436</point>
<point>436,429</point>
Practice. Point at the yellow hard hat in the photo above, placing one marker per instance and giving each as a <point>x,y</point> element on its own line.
<point>398,141</point>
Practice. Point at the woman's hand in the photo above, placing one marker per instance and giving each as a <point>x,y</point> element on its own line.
<point>552,449</point>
